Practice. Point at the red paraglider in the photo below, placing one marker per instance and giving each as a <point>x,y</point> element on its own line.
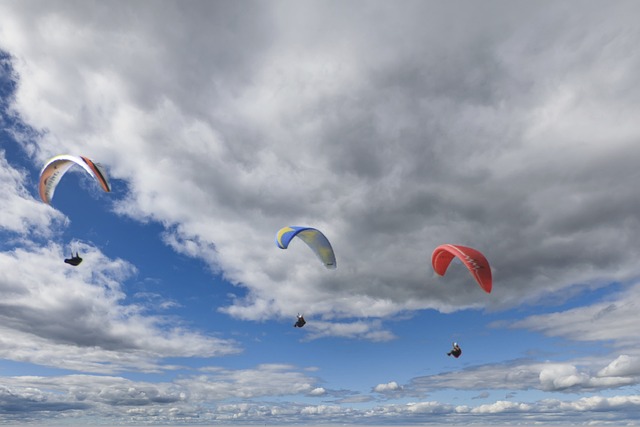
<point>472,259</point>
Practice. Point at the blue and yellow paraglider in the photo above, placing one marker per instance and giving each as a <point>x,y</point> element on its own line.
<point>313,238</point>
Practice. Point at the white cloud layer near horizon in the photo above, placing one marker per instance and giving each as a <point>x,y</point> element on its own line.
<point>191,400</point>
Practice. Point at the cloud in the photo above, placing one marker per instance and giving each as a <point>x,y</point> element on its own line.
<point>356,120</point>
<point>318,391</point>
<point>86,395</point>
<point>388,387</point>
<point>482,395</point>
<point>582,375</point>
<point>389,148</point>
<point>265,380</point>
<point>21,214</point>
<point>607,321</point>
<point>623,366</point>
<point>502,407</point>
<point>561,376</point>
<point>76,319</point>
<point>31,400</point>
<point>371,330</point>
<point>185,398</point>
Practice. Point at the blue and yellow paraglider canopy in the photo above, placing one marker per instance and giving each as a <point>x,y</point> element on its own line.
<point>313,238</point>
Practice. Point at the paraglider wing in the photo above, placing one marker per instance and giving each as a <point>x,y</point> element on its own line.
<point>57,166</point>
<point>313,238</point>
<point>472,259</point>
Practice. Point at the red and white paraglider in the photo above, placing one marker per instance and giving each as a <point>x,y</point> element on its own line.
<point>57,166</point>
<point>54,170</point>
<point>472,259</point>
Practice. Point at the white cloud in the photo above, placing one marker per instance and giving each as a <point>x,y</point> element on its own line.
<point>611,320</point>
<point>368,330</point>
<point>21,213</point>
<point>376,154</point>
<point>265,380</point>
<point>582,375</point>
<point>390,386</point>
<point>76,319</point>
<point>561,376</point>
<point>623,366</point>
<point>90,396</point>
<point>318,391</point>
<point>502,407</point>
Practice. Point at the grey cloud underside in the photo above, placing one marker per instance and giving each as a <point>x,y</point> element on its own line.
<point>78,319</point>
<point>516,137</point>
<point>447,173</point>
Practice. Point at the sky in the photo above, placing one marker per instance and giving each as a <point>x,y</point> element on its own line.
<point>392,127</point>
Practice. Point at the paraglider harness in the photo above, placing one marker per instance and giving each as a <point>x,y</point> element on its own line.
<point>74,260</point>
<point>300,323</point>
<point>456,351</point>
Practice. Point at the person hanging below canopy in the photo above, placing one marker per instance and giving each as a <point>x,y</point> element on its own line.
<point>456,351</point>
<point>74,260</point>
<point>300,322</point>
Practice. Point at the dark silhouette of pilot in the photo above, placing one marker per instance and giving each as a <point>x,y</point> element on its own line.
<point>300,323</point>
<point>74,260</point>
<point>456,351</point>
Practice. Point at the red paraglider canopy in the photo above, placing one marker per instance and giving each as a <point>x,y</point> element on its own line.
<point>472,259</point>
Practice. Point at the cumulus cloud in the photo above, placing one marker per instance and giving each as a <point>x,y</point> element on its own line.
<point>561,376</point>
<point>185,398</point>
<point>51,398</point>
<point>34,400</point>
<point>607,321</point>
<point>265,380</point>
<point>388,387</point>
<point>76,319</point>
<point>318,391</point>
<point>21,214</point>
<point>390,151</point>
<point>583,375</point>
<point>624,365</point>
<point>502,407</point>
